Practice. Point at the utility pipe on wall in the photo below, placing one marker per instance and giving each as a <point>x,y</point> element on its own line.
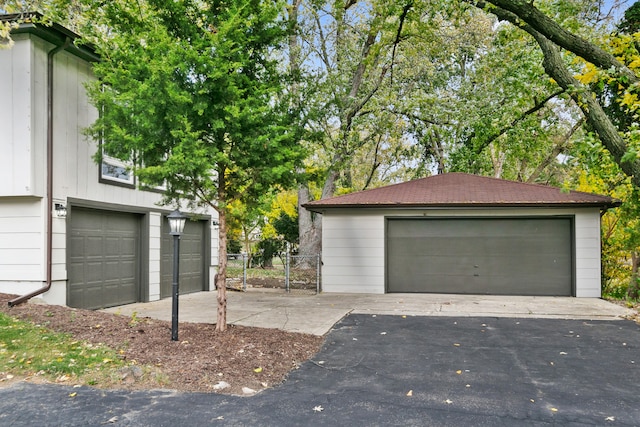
<point>47,285</point>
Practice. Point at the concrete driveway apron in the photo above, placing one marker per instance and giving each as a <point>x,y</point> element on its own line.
<point>316,314</point>
<point>397,370</point>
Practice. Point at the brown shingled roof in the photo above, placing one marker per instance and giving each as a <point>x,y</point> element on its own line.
<point>463,190</point>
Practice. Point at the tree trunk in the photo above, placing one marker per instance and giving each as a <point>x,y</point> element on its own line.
<point>309,225</point>
<point>633,291</point>
<point>497,159</point>
<point>221,277</point>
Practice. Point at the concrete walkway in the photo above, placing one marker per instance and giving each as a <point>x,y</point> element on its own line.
<point>316,314</point>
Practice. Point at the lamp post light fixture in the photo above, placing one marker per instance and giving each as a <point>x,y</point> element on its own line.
<point>176,227</point>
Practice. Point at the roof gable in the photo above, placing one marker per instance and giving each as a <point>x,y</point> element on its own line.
<point>463,190</point>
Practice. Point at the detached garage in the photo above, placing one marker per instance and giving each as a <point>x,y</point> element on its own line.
<point>465,234</point>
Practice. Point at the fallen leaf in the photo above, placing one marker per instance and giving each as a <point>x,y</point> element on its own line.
<point>410,393</point>
<point>318,408</point>
<point>554,409</point>
<point>74,394</point>
<point>459,372</point>
<point>257,370</point>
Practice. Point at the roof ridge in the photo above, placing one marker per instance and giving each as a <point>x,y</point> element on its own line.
<point>464,189</point>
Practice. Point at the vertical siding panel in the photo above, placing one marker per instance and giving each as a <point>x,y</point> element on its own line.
<point>588,267</point>
<point>38,112</point>
<point>15,139</point>
<point>353,253</point>
<point>155,227</point>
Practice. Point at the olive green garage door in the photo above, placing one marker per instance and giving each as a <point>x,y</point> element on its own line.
<point>501,256</point>
<point>103,255</point>
<point>193,255</point>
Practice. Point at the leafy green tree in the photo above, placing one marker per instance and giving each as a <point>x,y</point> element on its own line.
<point>264,252</point>
<point>192,93</point>
<point>287,227</point>
<point>345,50</point>
<point>595,171</point>
<point>551,37</point>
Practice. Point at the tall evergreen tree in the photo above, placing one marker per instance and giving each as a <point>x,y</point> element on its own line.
<point>191,92</point>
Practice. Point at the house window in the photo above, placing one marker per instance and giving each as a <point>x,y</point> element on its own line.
<point>114,171</point>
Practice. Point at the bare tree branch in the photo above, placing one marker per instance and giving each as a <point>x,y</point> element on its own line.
<point>557,149</point>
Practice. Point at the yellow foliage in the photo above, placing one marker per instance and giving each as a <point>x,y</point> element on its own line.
<point>285,202</point>
<point>590,76</point>
<point>630,100</point>
<point>635,63</point>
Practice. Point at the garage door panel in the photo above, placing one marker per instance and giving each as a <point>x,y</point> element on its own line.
<point>513,256</point>
<point>104,257</point>
<point>192,259</point>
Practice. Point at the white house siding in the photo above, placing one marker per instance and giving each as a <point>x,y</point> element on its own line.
<point>353,252</point>
<point>353,242</point>
<point>155,227</point>
<point>21,162</point>
<point>23,76</point>
<point>22,237</point>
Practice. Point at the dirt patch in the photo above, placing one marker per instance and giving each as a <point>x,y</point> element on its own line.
<point>243,357</point>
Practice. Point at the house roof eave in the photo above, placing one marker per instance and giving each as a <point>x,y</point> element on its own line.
<point>55,34</point>
<point>321,207</point>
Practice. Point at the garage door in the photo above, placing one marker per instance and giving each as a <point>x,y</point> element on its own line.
<point>103,258</point>
<point>192,258</point>
<point>504,256</point>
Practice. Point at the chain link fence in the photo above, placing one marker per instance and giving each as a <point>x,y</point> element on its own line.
<point>298,274</point>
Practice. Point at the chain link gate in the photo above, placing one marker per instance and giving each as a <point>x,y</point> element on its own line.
<point>299,274</point>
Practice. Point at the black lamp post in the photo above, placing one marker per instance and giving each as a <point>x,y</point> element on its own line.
<point>176,227</point>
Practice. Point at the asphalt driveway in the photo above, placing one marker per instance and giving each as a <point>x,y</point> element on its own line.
<point>397,370</point>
